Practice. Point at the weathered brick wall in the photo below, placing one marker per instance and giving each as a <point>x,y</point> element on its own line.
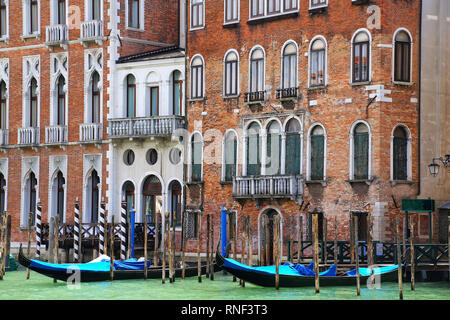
<point>337,25</point>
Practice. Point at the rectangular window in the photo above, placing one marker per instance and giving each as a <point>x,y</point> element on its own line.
<point>317,157</point>
<point>133,14</point>
<point>61,12</point>
<point>3,18</point>
<point>257,8</point>
<point>361,156</point>
<point>34,16</point>
<point>273,6</point>
<point>154,101</point>
<point>361,61</point>
<point>95,9</point>
<point>197,81</point>
<point>253,155</point>
<point>191,225</point>
<point>231,10</point>
<point>290,5</point>
<point>400,158</point>
<point>231,78</point>
<point>257,75</point>
<point>230,159</point>
<point>289,71</point>
<point>317,76</point>
<point>196,173</point>
<point>197,19</point>
<point>273,156</point>
<point>402,61</point>
<point>293,143</point>
<point>317,3</point>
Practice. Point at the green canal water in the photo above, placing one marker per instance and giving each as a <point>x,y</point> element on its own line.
<point>15,286</point>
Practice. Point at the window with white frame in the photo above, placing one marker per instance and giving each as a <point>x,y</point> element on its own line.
<point>30,200</point>
<point>263,8</point>
<point>31,17</point>
<point>177,93</point>
<point>3,105</point>
<point>293,148</point>
<point>230,156</point>
<point>317,63</point>
<point>253,149</point>
<point>197,14</point>
<point>273,149</point>
<point>313,4</point>
<point>134,14</point>
<point>361,145</point>
<point>60,12</point>
<point>94,93</point>
<point>94,9</point>
<point>32,105</point>
<point>316,153</point>
<point>31,91</point>
<point>257,70</point>
<point>3,19</point>
<point>197,78</point>
<point>92,197</point>
<point>401,146</point>
<point>402,56</point>
<point>361,57</point>
<point>289,69</point>
<point>58,197</point>
<point>231,74</point>
<point>130,96</point>
<point>196,157</point>
<point>231,11</point>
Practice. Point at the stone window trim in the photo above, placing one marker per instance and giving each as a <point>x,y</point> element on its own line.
<point>233,20</point>
<point>226,75</point>
<point>265,15</point>
<point>26,13</point>
<point>411,44</point>
<point>351,153</point>
<point>308,153</point>
<point>141,18</point>
<point>408,155</point>
<point>353,82</point>
<point>201,5</point>
<point>325,67</point>
<point>229,132</point>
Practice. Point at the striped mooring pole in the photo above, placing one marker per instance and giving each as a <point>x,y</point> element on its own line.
<point>76,234</point>
<point>101,242</point>
<point>123,230</point>
<point>38,229</point>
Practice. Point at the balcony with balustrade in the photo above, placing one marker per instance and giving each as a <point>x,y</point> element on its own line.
<point>91,133</point>
<point>143,127</point>
<point>57,36</point>
<point>268,187</point>
<point>28,137</point>
<point>288,94</point>
<point>56,135</point>
<point>91,31</point>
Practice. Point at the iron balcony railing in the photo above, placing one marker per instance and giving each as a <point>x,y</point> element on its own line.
<point>28,136</point>
<point>256,96</point>
<point>279,186</point>
<point>91,30</point>
<point>142,127</point>
<point>56,134</point>
<point>91,132</point>
<point>287,93</point>
<point>57,34</point>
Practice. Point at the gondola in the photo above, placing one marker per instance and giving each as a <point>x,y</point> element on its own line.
<point>291,275</point>
<point>100,270</point>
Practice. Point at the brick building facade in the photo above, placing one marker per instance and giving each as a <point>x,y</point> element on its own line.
<point>325,90</point>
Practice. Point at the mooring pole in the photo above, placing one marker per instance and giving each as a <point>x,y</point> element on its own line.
<point>208,217</point>
<point>242,282</point>
<point>234,241</point>
<point>211,265</point>
<point>352,242</point>
<point>76,231</point>
<point>277,251</point>
<point>355,237</point>
<point>164,236</point>
<point>3,245</point>
<point>155,252</point>
<point>38,229</point>
<point>183,245</point>
<point>169,240</point>
<point>324,241</point>
<point>448,248</point>
<point>56,229</point>
<point>300,239</point>
<point>250,241</point>
<point>399,257</point>
<point>267,239</point>
<point>199,265</point>
<point>145,245</point>
<point>223,233</point>
<point>173,246</point>
<point>29,242</point>
<point>335,240</point>
<point>111,239</point>
<point>123,230</point>
<point>412,253</point>
<point>316,250</point>
<point>101,240</point>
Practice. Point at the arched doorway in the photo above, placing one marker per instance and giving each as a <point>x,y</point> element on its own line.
<point>152,198</point>
<point>267,225</point>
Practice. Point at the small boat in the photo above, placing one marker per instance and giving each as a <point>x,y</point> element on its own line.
<point>99,269</point>
<point>291,275</point>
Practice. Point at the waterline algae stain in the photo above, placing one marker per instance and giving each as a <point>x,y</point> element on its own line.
<point>14,287</point>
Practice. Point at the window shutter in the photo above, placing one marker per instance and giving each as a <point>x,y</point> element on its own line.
<point>293,154</point>
<point>230,159</point>
<point>273,166</point>
<point>253,155</point>
<point>361,156</point>
<point>317,157</point>
<point>400,158</point>
<point>196,161</point>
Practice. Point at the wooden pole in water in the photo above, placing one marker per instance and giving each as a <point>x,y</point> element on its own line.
<point>129,235</point>
<point>39,229</point>
<point>208,217</point>
<point>316,250</point>
<point>291,238</point>
<point>111,245</point>
<point>352,243</point>
<point>242,282</point>
<point>399,258</point>
<point>29,242</point>
<point>300,239</point>
<point>173,246</point>
<point>56,230</point>
<point>8,238</point>
<point>183,245</point>
<point>76,232</point>
<point>370,240</point>
<point>199,265</point>
<point>234,242</point>
<point>211,265</point>
<point>123,230</point>
<point>169,243</point>
<point>155,258</point>
<point>164,237</point>
<point>277,251</point>
<point>3,246</point>
<point>267,240</point>
<point>355,237</point>
<point>250,241</point>
<point>145,246</point>
<point>335,241</point>
<point>412,251</point>
<point>324,241</point>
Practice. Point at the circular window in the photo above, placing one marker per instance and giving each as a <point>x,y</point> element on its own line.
<point>175,155</point>
<point>128,157</point>
<point>151,156</point>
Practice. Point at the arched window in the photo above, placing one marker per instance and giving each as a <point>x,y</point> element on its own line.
<point>230,156</point>
<point>257,70</point>
<point>32,105</point>
<point>273,149</point>
<point>361,152</point>
<point>3,105</point>
<point>231,77</point>
<point>128,195</point>
<point>196,157</point>
<point>175,203</point>
<point>289,76</point>
<point>95,98</point>
<point>317,63</point>
<point>2,193</point>
<point>197,78</point>
<point>177,93</point>
<point>152,198</point>
<point>361,57</point>
<point>402,57</point>
<point>30,199</point>
<point>400,154</point>
<point>253,149</point>
<point>293,147</point>
<point>61,102</point>
<point>93,197</point>
<point>317,153</point>
<point>58,197</point>
<point>131,96</point>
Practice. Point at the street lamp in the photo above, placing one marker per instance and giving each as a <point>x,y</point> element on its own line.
<point>434,167</point>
